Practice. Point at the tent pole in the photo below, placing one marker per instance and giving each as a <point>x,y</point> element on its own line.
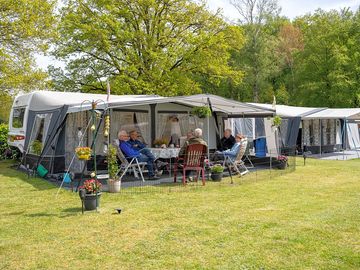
<point>320,126</point>
<point>208,136</point>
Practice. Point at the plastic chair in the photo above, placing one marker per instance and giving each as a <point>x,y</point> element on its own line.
<point>192,161</point>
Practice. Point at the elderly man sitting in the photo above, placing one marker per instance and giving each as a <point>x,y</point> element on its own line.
<point>195,139</point>
<point>227,141</point>
<point>130,152</point>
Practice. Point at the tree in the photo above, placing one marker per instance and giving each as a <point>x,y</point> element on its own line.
<point>327,67</point>
<point>256,58</point>
<point>143,47</point>
<point>24,29</point>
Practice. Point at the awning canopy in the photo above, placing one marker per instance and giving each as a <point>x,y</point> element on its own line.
<point>224,105</point>
<point>49,100</point>
<point>350,113</point>
<point>290,111</point>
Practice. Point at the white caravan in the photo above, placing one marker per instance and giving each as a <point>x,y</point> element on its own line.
<point>18,121</point>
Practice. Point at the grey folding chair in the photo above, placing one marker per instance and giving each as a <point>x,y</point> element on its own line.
<point>238,164</point>
<point>131,163</point>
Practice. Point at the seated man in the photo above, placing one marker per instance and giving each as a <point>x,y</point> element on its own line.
<point>138,145</point>
<point>195,139</point>
<point>131,152</point>
<point>233,152</point>
<point>227,141</point>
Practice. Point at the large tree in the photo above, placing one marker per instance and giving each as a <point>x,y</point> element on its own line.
<point>143,47</point>
<point>24,30</point>
<point>328,68</point>
<point>257,57</point>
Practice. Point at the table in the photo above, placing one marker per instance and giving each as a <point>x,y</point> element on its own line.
<point>166,153</point>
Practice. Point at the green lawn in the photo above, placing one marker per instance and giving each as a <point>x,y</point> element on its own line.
<point>308,219</point>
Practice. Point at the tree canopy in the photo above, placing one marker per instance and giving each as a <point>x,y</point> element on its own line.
<point>25,28</point>
<point>144,47</point>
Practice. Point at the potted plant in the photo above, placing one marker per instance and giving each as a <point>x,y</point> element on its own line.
<point>201,112</point>
<point>83,153</point>
<point>92,189</point>
<point>282,162</point>
<point>114,183</point>
<point>276,121</point>
<point>217,172</point>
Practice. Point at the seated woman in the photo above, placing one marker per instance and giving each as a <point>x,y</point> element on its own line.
<point>233,151</point>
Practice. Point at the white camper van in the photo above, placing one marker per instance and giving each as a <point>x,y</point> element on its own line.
<point>18,121</point>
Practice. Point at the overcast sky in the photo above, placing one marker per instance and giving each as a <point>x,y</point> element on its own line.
<point>289,8</point>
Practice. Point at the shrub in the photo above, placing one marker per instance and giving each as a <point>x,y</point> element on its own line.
<point>113,166</point>
<point>4,147</point>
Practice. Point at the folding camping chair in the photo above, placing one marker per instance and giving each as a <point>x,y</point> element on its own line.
<point>192,161</point>
<point>247,154</point>
<point>238,163</point>
<point>129,163</point>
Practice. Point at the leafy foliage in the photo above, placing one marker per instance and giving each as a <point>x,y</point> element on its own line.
<point>217,168</point>
<point>327,68</point>
<point>36,147</point>
<point>144,47</point>
<point>113,166</point>
<point>25,28</point>
<point>201,112</point>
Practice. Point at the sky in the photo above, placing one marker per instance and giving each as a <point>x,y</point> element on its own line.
<point>289,8</point>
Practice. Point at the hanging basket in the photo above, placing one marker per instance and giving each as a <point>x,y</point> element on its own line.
<point>83,153</point>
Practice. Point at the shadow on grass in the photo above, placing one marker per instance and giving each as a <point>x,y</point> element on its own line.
<point>9,170</point>
<point>68,212</point>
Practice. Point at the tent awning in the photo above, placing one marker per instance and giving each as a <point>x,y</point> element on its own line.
<point>47,100</point>
<point>350,113</point>
<point>290,111</point>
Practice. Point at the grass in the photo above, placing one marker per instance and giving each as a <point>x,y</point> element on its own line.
<point>308,219</point>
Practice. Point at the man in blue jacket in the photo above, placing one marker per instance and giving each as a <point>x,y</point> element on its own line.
<point>138,145</point>
<point>130,152</point>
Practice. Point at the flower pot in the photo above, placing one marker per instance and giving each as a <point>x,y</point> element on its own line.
<point>216,176</point>
<point>282,165</point>
<point>92,201</point>
<point>114,185</point>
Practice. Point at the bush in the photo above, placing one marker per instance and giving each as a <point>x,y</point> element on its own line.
<point>5,151</point>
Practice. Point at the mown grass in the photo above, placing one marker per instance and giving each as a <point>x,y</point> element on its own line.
<point>308,219</point>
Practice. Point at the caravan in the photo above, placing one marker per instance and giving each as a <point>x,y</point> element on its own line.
<point>18,121</point>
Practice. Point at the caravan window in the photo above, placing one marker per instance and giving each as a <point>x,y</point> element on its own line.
<point>18,117</point>
<point>39,133</point>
